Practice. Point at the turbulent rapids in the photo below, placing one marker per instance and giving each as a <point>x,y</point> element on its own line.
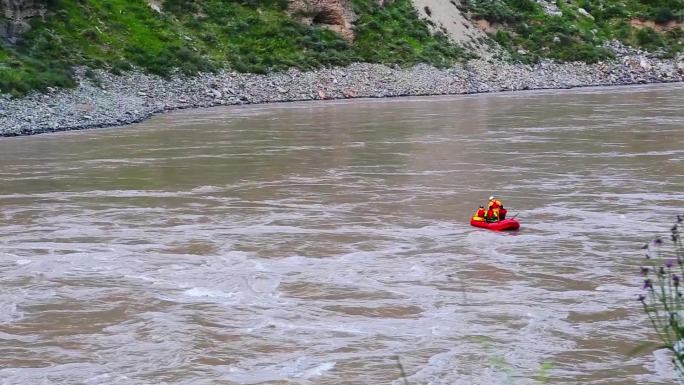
<point>316,243</point>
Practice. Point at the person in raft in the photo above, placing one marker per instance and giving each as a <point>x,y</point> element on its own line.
<point>479,214</point>
<point>493,203</point>
<point>502,213</point>
<point>499,210</point>
<point>492,215</point>
<point>495,210</point>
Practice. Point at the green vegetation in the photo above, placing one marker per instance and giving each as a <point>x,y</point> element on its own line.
<point>190,36</point>
<point>259,36</point>
<point>663,272</point>
<point>529,33</point>
<point>394,34</point>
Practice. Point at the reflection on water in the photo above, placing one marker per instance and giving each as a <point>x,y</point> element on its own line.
<point>312,243</point>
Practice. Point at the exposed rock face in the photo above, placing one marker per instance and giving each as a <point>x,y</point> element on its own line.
<point>15,16</point>
<point>336,15</point>
<point>550,7</point>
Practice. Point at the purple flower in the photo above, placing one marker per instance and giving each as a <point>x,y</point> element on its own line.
<point>644,271</point>
<point>675,279</point>
<point>657,241</point>
<point>669,263</point>
<point>648,284</point>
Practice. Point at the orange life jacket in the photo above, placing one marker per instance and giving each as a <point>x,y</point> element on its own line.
<point>479,215</point>
<point>494,204</point>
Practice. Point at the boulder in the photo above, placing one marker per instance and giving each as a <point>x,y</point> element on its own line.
<point>644,63</point>
<point>584,13</point>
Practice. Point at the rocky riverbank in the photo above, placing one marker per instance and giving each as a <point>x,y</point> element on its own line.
<point>103,99</point>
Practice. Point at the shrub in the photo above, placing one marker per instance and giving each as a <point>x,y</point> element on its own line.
<point>527,6</point>
<point>120,66</point>
<point>623,30</point>
<point>89,34</point>
<point>611,11</point>
<point>647,38</point>
<point>581,52</point>
<point>663,15</point>
<point>662,301</point>
<point>495,11</point>
<point>180,7</point>
<point>503,38</point>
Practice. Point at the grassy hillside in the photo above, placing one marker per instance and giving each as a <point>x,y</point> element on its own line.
<point>529,33</point>
<point>259,36</point>
<point>190,36</point>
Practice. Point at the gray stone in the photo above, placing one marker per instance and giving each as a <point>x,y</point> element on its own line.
<point>135,96</point>
<point>584,13</point>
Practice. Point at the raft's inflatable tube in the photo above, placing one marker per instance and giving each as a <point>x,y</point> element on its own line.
<point>506,224</point>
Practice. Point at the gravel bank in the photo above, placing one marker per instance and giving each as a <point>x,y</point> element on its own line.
<point>132,97</point>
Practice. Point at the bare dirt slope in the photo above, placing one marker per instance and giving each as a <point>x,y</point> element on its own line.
<point>445,16</point>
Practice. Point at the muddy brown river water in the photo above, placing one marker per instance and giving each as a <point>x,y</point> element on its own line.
<point>314,243</point>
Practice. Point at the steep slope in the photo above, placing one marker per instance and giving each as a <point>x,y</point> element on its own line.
<point>578,30</point>
<point>248,36</point>
<point>42,40</point>
<point>447,17</point>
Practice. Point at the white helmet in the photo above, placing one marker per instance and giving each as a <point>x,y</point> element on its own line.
<point>491,197</point>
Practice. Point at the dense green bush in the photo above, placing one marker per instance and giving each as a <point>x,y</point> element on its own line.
<point>495,11</point>
<point>19,75</point>
<point>648,38</point>
<point>581,52</point>
<point>525,6</point>
<point>663,11</point>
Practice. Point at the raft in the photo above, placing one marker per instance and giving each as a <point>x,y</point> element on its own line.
<point>506,224</point>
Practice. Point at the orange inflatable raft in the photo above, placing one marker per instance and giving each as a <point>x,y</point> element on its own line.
<point>506,224</point>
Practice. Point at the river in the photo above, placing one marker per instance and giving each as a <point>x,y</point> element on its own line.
<point>314,243</point>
